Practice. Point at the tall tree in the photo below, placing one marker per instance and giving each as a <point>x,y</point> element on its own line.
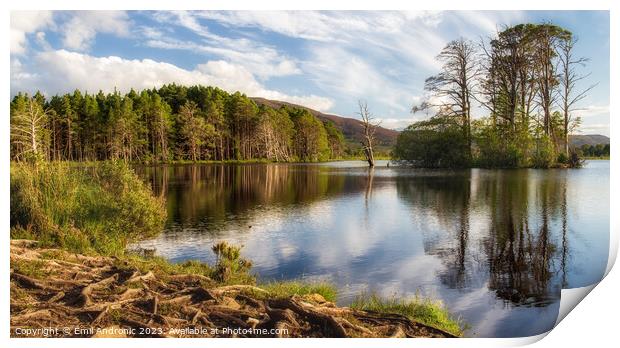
<point>453,87</point>
<point>311,139</point>
<point>569,78</point>
<point>335,139</point>
<point>161,125</point>
<point>194,130</point>
<point>546,38</point>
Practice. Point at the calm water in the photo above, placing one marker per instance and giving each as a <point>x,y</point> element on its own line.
<point>496,246</point>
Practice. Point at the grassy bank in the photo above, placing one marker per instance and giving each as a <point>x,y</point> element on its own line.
<point>92,210</point>
<point>98,209</point>
<point>426,311</point>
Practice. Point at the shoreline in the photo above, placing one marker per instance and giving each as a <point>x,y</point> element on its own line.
<point>99,296</point>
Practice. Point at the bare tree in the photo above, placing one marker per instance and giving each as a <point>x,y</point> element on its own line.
<point>569,78</point>
<point>28,128</point>
<point>370,126</point>
<point>454,85</point>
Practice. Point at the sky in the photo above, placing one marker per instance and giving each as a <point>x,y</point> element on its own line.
<point>325,60</point>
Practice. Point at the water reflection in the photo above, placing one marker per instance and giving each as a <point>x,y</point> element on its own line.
<point>495,245</point>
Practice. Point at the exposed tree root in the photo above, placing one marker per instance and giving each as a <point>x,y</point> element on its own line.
<point>78,291</point>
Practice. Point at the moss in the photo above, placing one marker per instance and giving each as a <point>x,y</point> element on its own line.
<point>425,311</point>
<point>161,266</point>
<point>32,268</point>
<point>115,315</point>
<point>54,254</point>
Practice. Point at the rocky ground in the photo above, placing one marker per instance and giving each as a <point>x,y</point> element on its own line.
<point>58,294</point>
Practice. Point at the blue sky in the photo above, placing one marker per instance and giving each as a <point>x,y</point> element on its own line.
<point>324,60</point>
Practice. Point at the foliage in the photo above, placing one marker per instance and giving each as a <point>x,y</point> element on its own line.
<point>544,153</point>
<point>525,77</point>
<point>230,267</point>
<point>88,209</point>
<point>575,160</point>
<point>598,150</point>
<point>335,140</point>
<point>426,311</point>
<point>310,143</point>
<point>497,147</point>
<point>170,123</point>
<point>438,142</point>
<point>562,158</point>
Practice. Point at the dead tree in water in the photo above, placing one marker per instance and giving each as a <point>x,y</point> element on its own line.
<point>369,132</point>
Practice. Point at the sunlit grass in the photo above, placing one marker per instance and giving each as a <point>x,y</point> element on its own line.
<point>285,289</point>
<point>425,311</point>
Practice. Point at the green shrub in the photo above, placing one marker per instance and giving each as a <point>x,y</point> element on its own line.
<point>497,146</point>
<point>544,153</point>
<point>91,209</point>
<point>436,143</point>
<point>575,160</point>
<point>230,267</point>
<point>562,158</point>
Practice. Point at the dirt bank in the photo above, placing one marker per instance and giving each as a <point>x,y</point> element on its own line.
<point>58,294</point>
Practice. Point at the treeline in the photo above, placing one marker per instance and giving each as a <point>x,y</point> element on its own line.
<point>598,150</point>
<point>170,123</point>
<point>526,78</point>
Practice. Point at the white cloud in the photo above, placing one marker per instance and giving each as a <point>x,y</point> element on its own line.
<point>592,111</point>
<point>63,71</point>
<point>320,25</point>
<point>359,54</point>
<point>25,22</point>
<point>263,60</point>
<point>80,30</point>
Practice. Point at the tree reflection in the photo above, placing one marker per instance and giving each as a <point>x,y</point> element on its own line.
<point>521,220</point>
<point>446,196</point>
<point>219,194</point>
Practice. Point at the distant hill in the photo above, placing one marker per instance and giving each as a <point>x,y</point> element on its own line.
<point>591,139</point>
<point>351,128</point>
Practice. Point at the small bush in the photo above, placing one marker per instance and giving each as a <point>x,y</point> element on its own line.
<point>562,158</point>
<point>575,160</point>
<point>230,267</point>
<point>91,209</point>
<point>544,153</point>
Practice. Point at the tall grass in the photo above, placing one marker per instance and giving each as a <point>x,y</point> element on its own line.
<point>93,209</point>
